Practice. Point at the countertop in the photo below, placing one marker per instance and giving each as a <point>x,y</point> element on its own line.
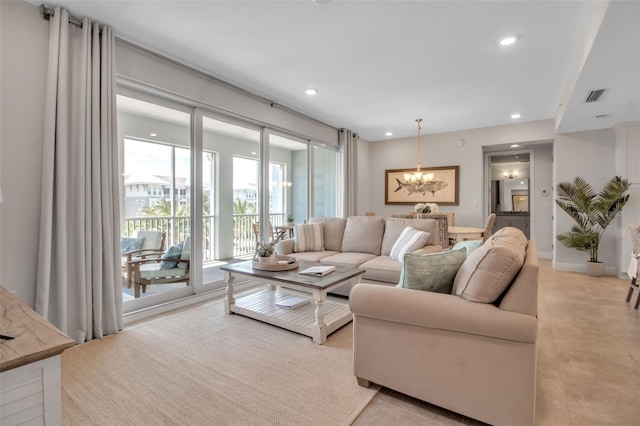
<point>35,338</point>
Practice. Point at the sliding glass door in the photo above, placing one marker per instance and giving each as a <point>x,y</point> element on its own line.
<point>237,146</point>
<point>156,197</point>
<point>288,180</point>
<point>325,181</point>
<point>199,183</point>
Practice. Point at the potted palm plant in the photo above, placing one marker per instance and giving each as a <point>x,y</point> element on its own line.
<point>592,212</point>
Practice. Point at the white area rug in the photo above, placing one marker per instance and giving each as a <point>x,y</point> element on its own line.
<point>201,367</point>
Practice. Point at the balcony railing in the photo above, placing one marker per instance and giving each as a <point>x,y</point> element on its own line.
<point>177,228</point>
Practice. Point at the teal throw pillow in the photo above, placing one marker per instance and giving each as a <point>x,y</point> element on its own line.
<point>130,244</point>
<point>470,245</point>
<point>174,252</point>
<point>432,272</point>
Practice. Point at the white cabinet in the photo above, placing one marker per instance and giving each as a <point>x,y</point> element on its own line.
<point>29,365</point>
<point>30,394</point>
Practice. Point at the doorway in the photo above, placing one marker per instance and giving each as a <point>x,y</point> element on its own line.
<point>510,183</point>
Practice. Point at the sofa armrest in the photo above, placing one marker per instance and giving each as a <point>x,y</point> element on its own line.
<point>284,247</point>
<point>440,311</point>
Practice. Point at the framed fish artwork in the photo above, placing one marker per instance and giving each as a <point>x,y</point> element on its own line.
<point>435,185</point>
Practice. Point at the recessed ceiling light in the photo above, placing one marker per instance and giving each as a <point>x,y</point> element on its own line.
<point>516,115</point>
<point>508,40</point>
<point>388,134</point>
<point>311,91</point>
<point>521,182</point>
<point>253,153</point>
<point>153,134</point>
<point>515,145</point>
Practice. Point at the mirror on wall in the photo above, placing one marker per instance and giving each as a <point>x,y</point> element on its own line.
<point>510,183</point>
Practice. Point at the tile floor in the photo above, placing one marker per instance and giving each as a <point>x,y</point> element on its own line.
<point>588,360</point>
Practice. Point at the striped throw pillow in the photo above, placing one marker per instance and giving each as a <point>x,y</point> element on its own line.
<point>308,237</point>
<point>409,240</point>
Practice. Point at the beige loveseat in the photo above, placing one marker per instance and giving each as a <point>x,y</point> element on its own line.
<point>474,358</point>
<point>364,242</point>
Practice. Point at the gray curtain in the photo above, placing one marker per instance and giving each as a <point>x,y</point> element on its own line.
<point>79,285</point>
<point>349,167</point>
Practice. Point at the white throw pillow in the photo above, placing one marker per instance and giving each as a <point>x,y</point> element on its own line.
<point>409,241</point>
<point>308,237</point>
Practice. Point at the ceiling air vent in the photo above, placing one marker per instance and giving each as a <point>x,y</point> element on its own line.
<point>599,116</point>
<point>595,95</point>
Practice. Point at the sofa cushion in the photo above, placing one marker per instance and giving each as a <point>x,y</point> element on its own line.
<point>394,227</point>
<point>154,270</point>
<point>490,269</point>
<point>409,240</point>
<point>308,237</point>
<point>130,244</point>
<point>314,256</point>
<point>363,234</point>
<point>512,236</point>
<point>348,259</point>
<point>382,268</point>
<point>332,230</point>
<point>432,272</point>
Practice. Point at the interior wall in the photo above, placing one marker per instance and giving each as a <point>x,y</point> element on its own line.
<point>627,137</point>
<point>542,199</point>
<point>363,180</point>
<point>24,38</point>
<point>462,148</point>
<point>553,163</point>
<point>591,156</point>
<point>139,66</point>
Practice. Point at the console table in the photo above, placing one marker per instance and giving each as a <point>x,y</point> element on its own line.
<point>29,365</point>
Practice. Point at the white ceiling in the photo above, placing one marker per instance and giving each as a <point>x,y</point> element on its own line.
<point>379,65</point>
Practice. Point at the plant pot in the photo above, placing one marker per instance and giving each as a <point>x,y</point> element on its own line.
<point>267,259</point>
<point>595,269</point>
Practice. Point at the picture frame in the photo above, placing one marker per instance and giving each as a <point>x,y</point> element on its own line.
<point>397,193</point>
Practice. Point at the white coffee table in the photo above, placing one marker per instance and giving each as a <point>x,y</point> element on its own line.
<point>317,319</point>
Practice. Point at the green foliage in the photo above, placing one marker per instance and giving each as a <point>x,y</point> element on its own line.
<point>592,212</point>
<point>243,207</point>
<point>162,207</point>
<point>265,249</point>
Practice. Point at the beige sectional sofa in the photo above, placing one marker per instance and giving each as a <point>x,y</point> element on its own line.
<point>472,351</point>
<point>364,242</point>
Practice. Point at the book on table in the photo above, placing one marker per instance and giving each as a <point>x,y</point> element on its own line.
<point>292,302</point>
<point>318,270</point>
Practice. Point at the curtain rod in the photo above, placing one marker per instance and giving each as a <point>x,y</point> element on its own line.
<point>47,13</point>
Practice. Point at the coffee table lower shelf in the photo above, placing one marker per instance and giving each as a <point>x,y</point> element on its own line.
<point>262,306</point>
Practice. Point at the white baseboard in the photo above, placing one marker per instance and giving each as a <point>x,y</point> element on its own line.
<point>545,255</point>
<point>181,303</point>
<point>576,267</point>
